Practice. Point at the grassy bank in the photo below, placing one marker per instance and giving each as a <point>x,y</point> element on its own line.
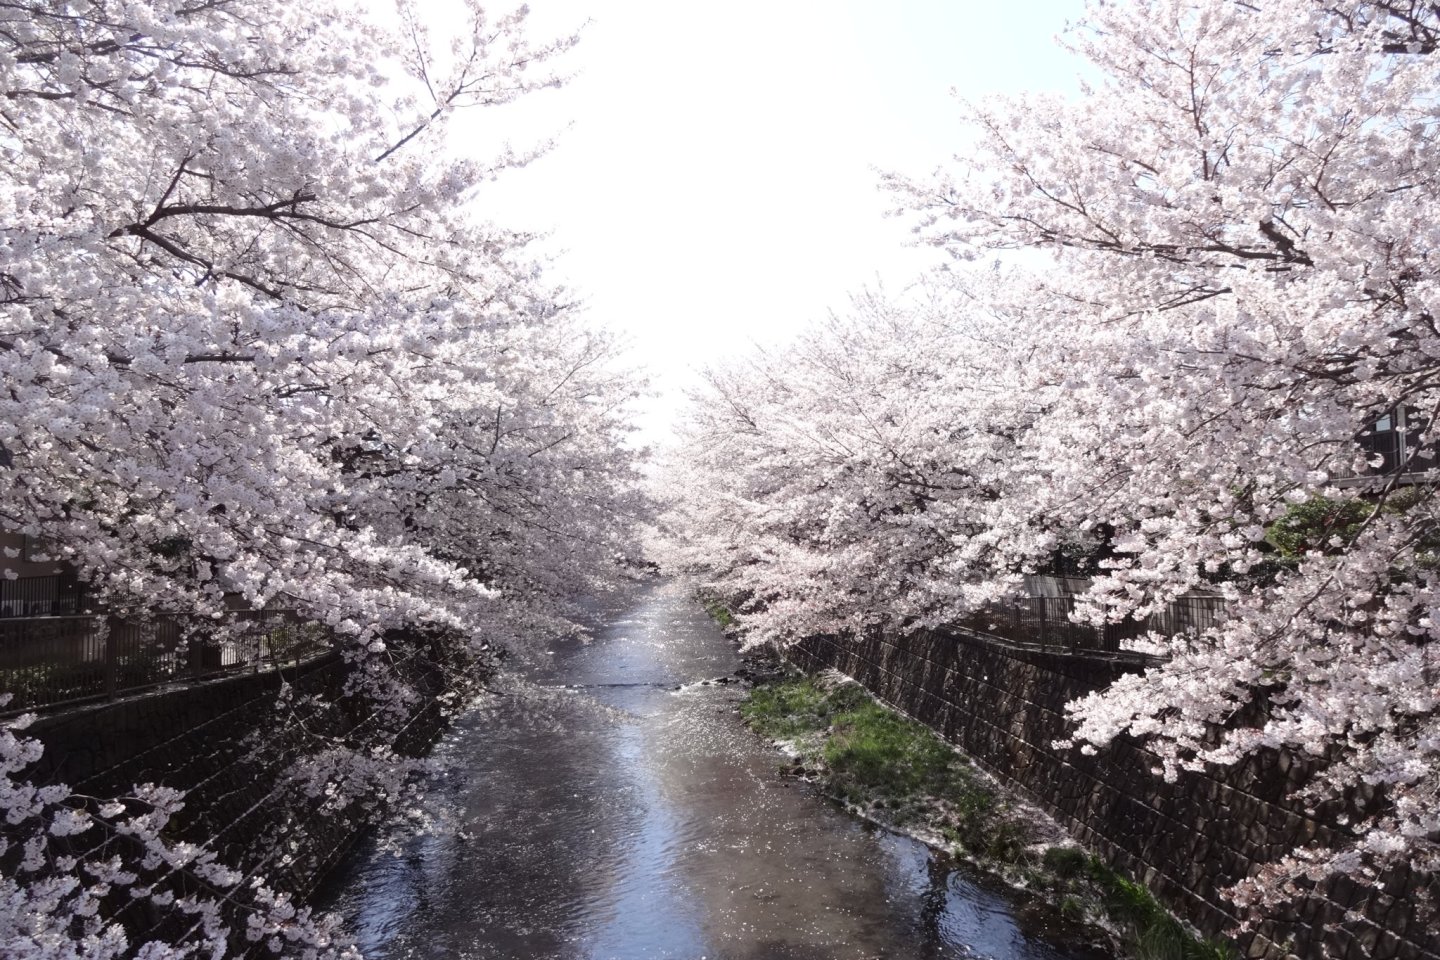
<point>719,613</point>
<point>897,772</point>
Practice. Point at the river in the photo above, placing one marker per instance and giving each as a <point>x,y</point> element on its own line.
<point>624,811</point>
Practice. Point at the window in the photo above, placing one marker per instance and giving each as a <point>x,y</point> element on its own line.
<point>1395,437</point>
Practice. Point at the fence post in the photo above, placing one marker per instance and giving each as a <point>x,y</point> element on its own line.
<point>263,625</point>
<point>112,655</point>
<point>197,645</point>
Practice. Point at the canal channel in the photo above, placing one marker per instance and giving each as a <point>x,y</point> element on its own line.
<point>617,807</point>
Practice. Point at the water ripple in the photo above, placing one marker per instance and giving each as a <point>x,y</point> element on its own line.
<point>617,808</point>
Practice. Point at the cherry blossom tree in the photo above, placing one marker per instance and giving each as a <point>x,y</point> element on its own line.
<point>1230,280</point>
<point>1240,217</point>
<point>256,338</point>
<point>843,482</point>
<point>260,348</point>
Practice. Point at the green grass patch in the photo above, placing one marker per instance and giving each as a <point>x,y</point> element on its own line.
<point>879,750</point>
<point>787,709</point>
<point>720,613</point>
<point>901,773</point>
<point>1153,934</point>
<point>870,756</point>
<point>1149,932</point>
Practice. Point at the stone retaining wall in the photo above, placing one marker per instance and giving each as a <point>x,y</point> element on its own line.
<point>227,744</point>
<point>1187,840</point>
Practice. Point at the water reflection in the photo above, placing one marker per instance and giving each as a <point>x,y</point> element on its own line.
<point>635,817</point>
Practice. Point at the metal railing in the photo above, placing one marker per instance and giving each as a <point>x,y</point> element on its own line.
<point>53,661</point>
<point>52,596</point>
<point>1045,622</point>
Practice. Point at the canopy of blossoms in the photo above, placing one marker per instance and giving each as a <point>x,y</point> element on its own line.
<point>259,348</point>
<point>1234,236</point>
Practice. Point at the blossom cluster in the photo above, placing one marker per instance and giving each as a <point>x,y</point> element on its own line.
<point>78,866</point>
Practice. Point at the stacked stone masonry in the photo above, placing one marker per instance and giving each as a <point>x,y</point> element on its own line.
<point>228,744</point>
<point>1187,840</point>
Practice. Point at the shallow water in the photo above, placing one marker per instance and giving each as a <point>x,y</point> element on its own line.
<point>626,812</point>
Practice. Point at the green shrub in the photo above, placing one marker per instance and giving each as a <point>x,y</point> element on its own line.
<point>1312,525</point>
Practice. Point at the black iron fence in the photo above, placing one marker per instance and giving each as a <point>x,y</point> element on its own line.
<point>53,596</point>
<point>1045,622</point>
<point>47,661</point>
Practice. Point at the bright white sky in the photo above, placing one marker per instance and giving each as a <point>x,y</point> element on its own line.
<point>716,185</point>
